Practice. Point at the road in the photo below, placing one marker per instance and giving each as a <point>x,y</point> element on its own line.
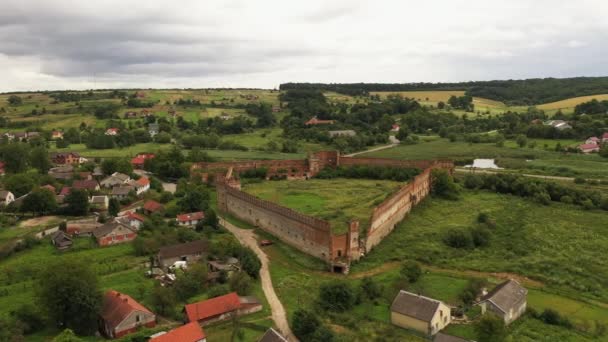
<point>248,238</point>
<point>379,148</point>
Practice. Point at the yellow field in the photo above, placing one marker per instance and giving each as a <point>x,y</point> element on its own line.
<point>431,95</point>
<point>571,102</point>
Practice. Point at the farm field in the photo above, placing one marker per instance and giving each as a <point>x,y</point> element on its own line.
<point>336,200</point>
<point>568,105</point>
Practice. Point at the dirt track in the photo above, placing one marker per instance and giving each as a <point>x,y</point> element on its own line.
<point>248,238</point>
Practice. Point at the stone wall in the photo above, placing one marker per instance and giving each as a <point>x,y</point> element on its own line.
<point>306,233</point>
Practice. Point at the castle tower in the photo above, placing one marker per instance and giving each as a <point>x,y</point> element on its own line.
<point>353,240</point>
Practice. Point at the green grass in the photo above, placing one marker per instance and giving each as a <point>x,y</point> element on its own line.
<point>559,244</point>
<point>130,151</point>
<point>336,200</point>
<point>537,160</point>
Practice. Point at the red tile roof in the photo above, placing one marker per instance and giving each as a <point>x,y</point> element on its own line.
<point>588,146</point>
<point>212,307</point>
<point>143,181</point>
<point>315,121</point>
<point>49,187</point>
<point>152,206</point>
<point>85,184</point>
<point>190,332</point>
<point>65,191</point>
<point>117,306</point>
<point>137,161</point>
<point>136,216</point>
<point>605,135</point>
<point>191,216</point>
<point>112,130</point>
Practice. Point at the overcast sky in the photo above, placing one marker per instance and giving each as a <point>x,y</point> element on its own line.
<point>76,44</point>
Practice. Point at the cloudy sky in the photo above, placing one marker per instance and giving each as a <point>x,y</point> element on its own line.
<point>54,44</point>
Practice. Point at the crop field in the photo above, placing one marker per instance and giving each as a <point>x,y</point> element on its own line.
<point>423,96</point>
<point>568,105</point>
<point>336,200</point>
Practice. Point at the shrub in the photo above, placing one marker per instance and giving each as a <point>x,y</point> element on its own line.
<point>304,324</point>
<point>411,271</point>
<point>550,316</point>
<point>483,217</point>
<point>336,296</point>
<point>566,199</point>
<point>470,292</point>
<point>443,185</point>
<point>588,204</point>
<point>579,180</point>
<point>458,238</point>
<point>481,236</point>
<point>370,288</point>
<point>490,329</point>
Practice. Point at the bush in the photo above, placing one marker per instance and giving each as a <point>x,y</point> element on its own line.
<point>481,236</point>
<point>458,238</point>
<point>304,324</point>
<point>411,271</point>
<point>483,217</point>
<point>566,199</point>
<point>550,316</point>
<point>443,184</point>
<point>470,292</point>
<point>336,296</point>
<point>370,289</point>
<point>490,329</point>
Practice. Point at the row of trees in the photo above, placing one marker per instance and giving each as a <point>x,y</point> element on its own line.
<point>369,172</point>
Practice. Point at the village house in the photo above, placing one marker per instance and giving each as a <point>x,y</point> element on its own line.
<point>114,233</point>
<point>56,135</point>
<point>395,128</point>
<point>32,135</point>
<point>276,109</point>
<point>61,240</point>
<point>593,141</point>
<point>2,165</point>
<point>151,207</point>
<point>90,185</point>
<point>99,202</point>
<point>343,133</point>
<point>141,185</point>
<point>86,175</point>
<point>112,131</point>
<point>189,252</point>
<point>191,332</point>
<point>116,178</point>
<point>229,266</point>
<point>605,138</point>
<point>82,228</point>
<point>146,112</point>
<point>190,219</point>
<point>130,114</point>
<point>122,315</point>
<point>65,190</point>
<point>422,314</point>
<point>64,158</point>
<point>315,121</point>
<point>558,124</point>
<point>133,220</point>
<point>272,335</point>
<point>49,187</point>
<point>220,308</point>
<point>6,197</point>
<point>508,300</point>
<point>139,160</point>
<point>589,148</point>
<point>121,191</point>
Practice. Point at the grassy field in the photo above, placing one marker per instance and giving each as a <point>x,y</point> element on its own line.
<point>559,245</point>
<point>568,105</point>
<point>336,200</point>
<point>537,160</point>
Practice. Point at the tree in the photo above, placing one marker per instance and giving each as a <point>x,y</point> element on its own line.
<point>19,184</point>
<point>521,140</point>
<point>163,300</point>
<point>370,288</point>
<point>191,281</point>
<point>322,334</point>
<point>490,329</point>
<point>443,184</point>
<point>336,296</point>
<point>211,219</point>
<point>195,199</point>
<point>30,316</point>
<point>14,100</point>
<point>39,201</point>
<point>67,336</point>
<point>13,157</point>
<point>39,158</point>
<point>304,323</point>
<point>411,271</point>
<point>604,150</point>
<point>249,262</point>
<point>77,202</point>
<point>69,292</point>
<point>240,283</point>
<point>113,207</point>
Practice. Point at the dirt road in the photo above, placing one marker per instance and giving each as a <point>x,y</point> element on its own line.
<point>372,150</point>
<point>248,238</point>
<point>560,178</point>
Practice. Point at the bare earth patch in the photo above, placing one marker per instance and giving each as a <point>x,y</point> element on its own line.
<point>38,221</point>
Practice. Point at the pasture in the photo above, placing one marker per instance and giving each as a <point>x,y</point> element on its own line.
<point>336,200</point>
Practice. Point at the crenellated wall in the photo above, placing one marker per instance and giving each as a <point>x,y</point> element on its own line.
<point>309,234</point>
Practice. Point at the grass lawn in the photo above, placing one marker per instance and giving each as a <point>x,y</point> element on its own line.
<point>336,200</point>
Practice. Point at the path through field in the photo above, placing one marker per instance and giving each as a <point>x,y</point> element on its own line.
<point>248,238</point>
<point>379,148</point>
<point>560,178</point>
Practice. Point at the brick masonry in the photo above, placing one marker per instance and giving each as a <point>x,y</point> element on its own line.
<point>309,234</point>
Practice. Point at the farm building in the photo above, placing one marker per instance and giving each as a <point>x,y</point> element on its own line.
<point>112,131</point>
<point>343,133</point>
<point>151,207</point>
<point>441,337</point>
<point>114,233</point>
<point>508,300</point>
<point>422,314</point>
<point>90,185</point>
<point>190,219</point>
<point>116,178</point>
<point>6,197</point>
<point>133,220</point>
<point>589,148</point>
<point>122,315</point>
<point>221,308</point>
<point>99,202</point>
<point>63,158</point>
<point>314,121</point>
<point>191,332</point>
<point>189,251</point>
<point>61,240</point>
<point>121,191</point>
